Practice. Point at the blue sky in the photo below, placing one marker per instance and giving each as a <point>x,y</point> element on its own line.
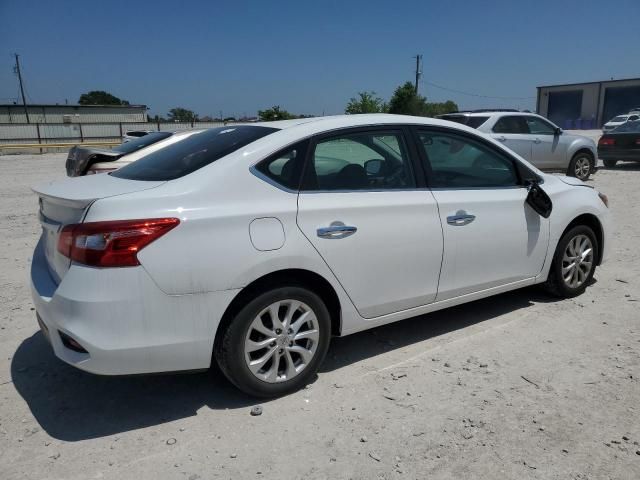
<point>311,57</point>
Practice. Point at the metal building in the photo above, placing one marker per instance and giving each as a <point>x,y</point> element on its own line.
<point>588,105</point>
<point>11,113</point>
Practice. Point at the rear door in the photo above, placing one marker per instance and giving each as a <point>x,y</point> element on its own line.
<point>549,149</point>
<point>513,132</point>
<point>491,235</point>
<point>366,211</point>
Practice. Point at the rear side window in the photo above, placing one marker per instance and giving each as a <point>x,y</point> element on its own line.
<point>473,122</point>
<point>511,124</point>
<point>376,160</point>
<point>285,167</point>
<point>192,153</point>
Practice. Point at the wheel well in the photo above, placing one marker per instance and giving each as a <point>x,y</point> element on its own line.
<point>303,278</point>
<point>585,150</point>
<point>593,223</point>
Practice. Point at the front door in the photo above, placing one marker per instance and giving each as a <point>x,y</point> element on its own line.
<point>549,148</point>
<point>491,235</point>
<point>360,207</point>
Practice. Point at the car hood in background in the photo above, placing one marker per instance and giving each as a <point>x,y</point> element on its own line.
<point>81,158</point>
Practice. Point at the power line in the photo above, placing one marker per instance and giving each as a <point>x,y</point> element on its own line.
<point>474,94</point>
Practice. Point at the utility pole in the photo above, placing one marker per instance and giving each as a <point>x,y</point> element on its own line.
<point>24,102</point>
<point>418,71</point>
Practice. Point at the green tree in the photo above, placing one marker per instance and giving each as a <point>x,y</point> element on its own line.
<point>367,102</point>
<point>274,113</point>
<point>405,101</point>
<point>180,114</point>
<point>100,97</point>
<point>435,109</point>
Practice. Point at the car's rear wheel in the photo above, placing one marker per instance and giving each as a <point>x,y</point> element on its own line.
<point>574,262</point>
<point>610,163</point>
<point>276,342</point>
<point>581,166</point>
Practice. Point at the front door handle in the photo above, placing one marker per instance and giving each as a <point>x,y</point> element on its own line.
<point>537,140</point>
<point>336,231</point>
<point>459,220</point>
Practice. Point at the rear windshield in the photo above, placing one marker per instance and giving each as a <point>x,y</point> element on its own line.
<point>473,122</point>
<point>192,153</point>
<point>141,142</point>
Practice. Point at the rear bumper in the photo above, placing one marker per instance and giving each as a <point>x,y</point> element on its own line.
<point>622,155</point>
<point>126,324</point>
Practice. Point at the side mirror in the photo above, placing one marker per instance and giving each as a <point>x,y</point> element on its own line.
<point>373,167</point>
<point>538,199</point>
<point>558,131</point>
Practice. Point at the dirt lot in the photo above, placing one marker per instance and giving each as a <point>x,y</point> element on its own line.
<point>516,386</point>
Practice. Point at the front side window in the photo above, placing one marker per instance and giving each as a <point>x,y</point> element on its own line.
<point>192,153</point>
<point>511,124</point>
<point>537,126</point>
<point>360,161</point>
<point>456,161</point>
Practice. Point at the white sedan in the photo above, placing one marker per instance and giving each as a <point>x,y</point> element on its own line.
<point>252,245</point>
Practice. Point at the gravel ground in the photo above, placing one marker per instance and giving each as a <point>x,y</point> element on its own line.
<point>515,386</point>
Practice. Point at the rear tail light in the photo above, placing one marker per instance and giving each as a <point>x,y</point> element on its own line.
<point>637,141</point>
<point>113,243</point>
<point>607,141</point>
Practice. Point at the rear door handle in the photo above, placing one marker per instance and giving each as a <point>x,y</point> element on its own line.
<point>501,138</point>
<point>537,140</point>
<point>460,220</point>
<point>336,231</point>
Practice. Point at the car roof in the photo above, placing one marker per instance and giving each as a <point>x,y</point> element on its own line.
<point>490,113</point>
<point>332,122</point>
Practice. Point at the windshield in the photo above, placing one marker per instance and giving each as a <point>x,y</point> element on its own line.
<point>627,127</point>
<point>141,142</point>
<point>473,122</point>
<point>620,118</point>
<point>192,153</point>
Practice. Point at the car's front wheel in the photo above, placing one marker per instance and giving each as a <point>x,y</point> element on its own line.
<point>610,163</point>
<point>574,262</point>
<point>276,342</point>
<point>581,166</point>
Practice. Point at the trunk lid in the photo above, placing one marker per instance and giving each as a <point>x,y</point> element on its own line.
<point>66,202</point>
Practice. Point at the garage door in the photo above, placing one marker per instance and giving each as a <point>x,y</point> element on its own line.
<point>619,100</point>
<point>564,106</point>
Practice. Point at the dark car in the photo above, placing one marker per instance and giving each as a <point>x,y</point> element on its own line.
<point>621,144</point>
<point>81,158</point>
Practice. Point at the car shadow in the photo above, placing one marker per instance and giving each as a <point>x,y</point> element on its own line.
<point>73,405</point>
<point>624,166</point>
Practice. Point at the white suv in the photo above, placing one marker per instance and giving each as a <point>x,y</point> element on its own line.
<point>535,139</point>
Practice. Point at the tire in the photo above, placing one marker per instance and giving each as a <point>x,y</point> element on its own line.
<point>300,313</point>
<point>610,163</point>
<point>556,283</point>
<point>581,166</point>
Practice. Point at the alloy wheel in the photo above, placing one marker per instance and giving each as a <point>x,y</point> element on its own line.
<point>281,341</point>
<point>582,167</point>
<point>577,261</point>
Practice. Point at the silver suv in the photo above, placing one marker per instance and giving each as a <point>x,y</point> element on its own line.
<point>535,139</point>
